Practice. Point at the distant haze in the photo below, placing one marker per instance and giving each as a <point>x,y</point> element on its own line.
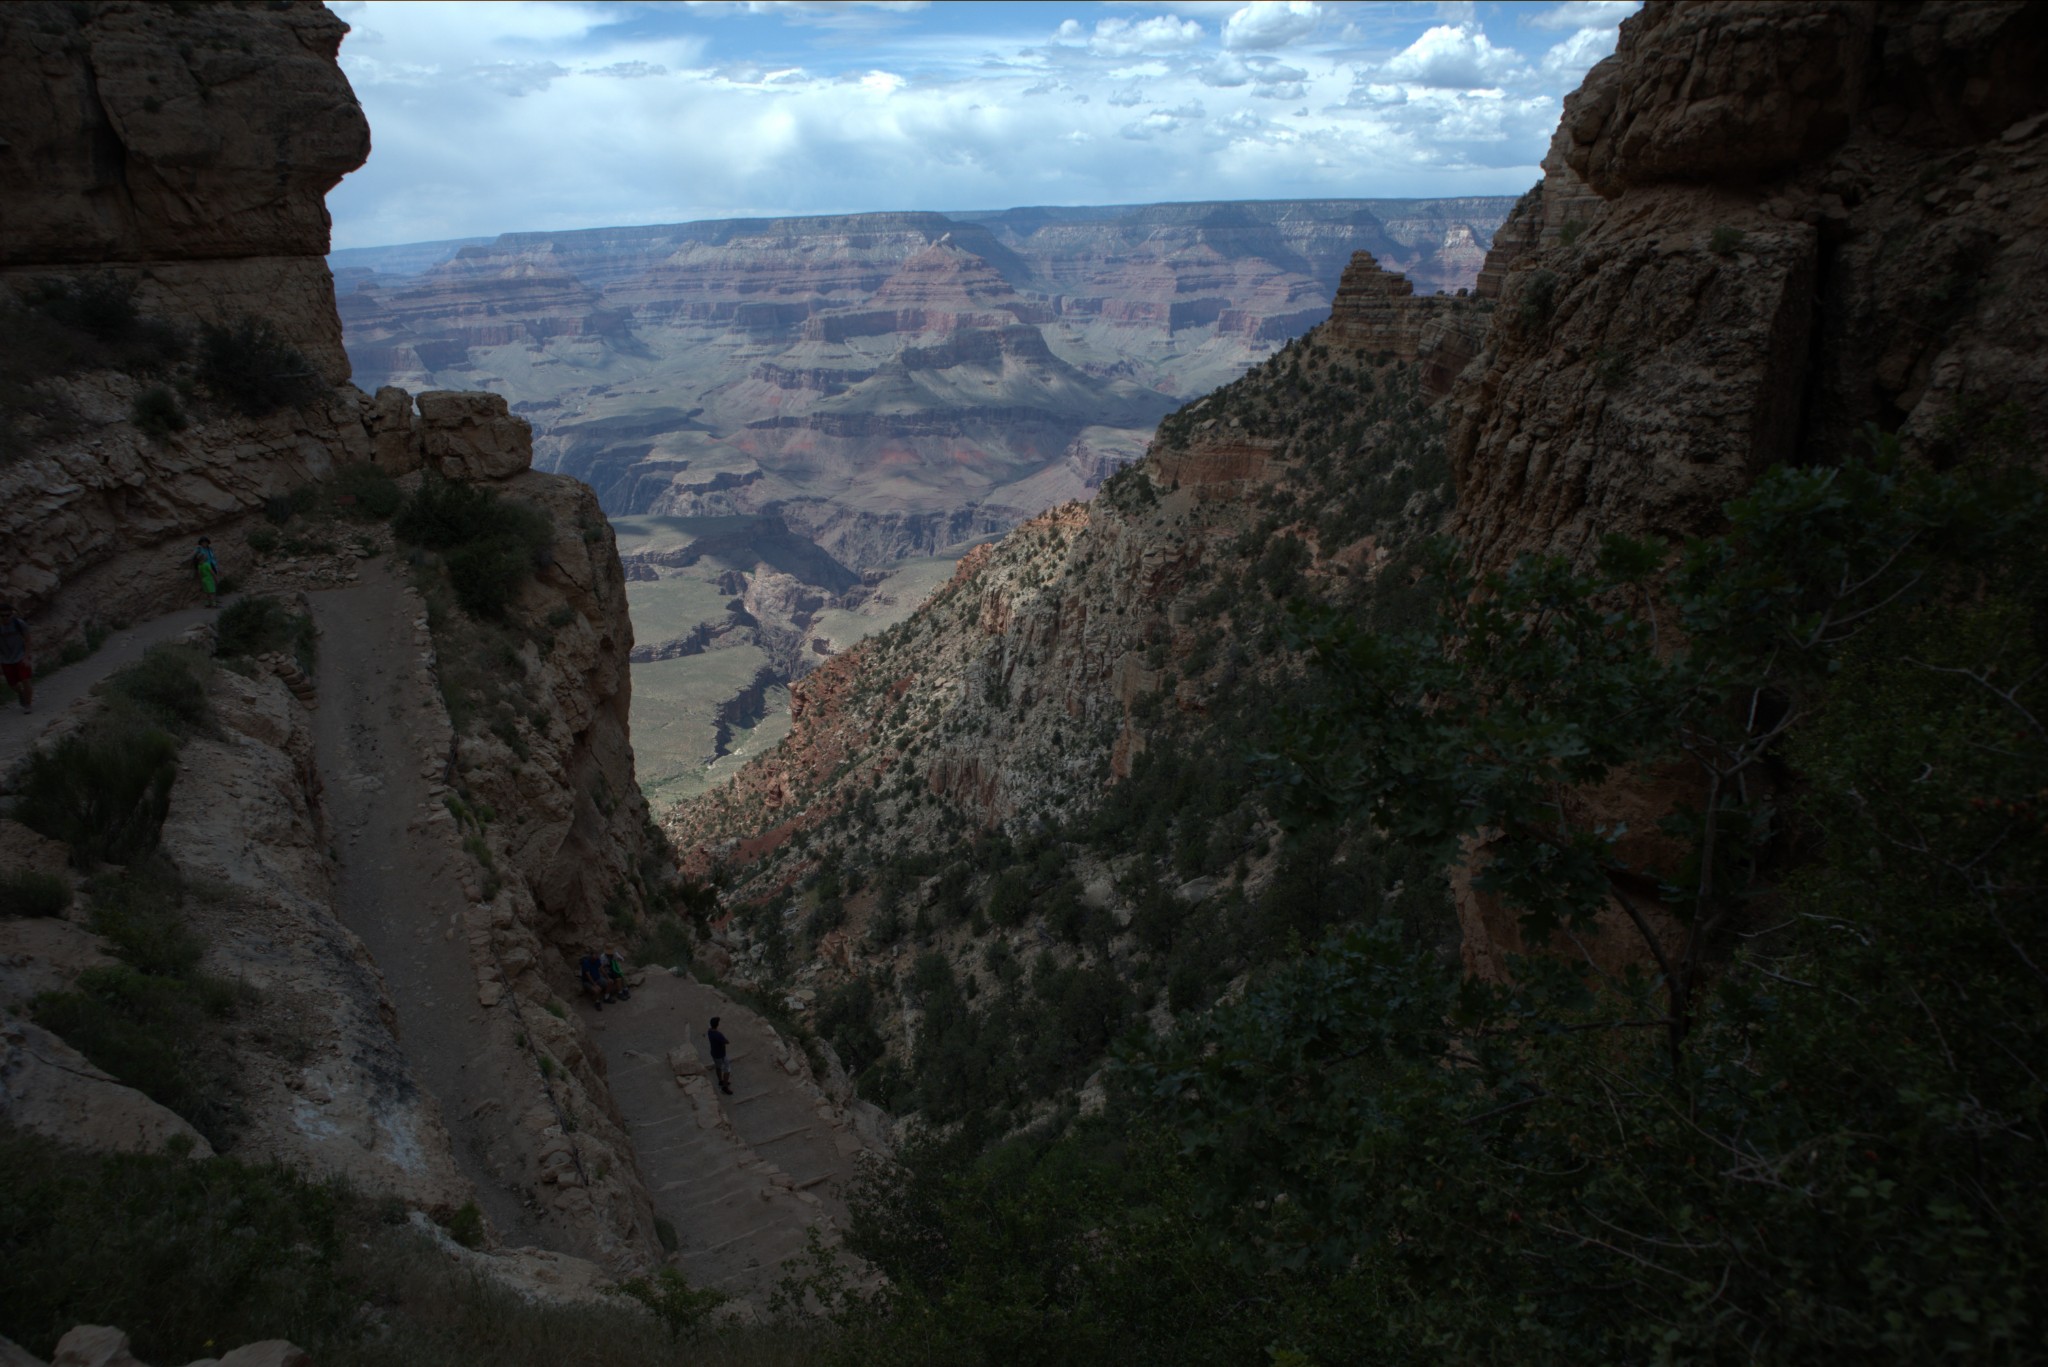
<point>798,423</point>
<point>541,116</point>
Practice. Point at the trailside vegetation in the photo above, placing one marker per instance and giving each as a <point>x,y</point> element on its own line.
<point>193,1258</point>
<point>1767,1086</point>
<point>490,545</point>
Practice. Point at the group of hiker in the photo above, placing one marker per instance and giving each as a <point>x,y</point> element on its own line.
<point>602,976</point>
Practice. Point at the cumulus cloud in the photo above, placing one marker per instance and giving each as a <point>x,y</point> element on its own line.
<point>627,71</point>
<point>1231,72</point>
<point>1568,61</point>
<point>495,117</point>
<point>1461,58</point>
<point>518,79</point>
<point>1136,37</point>
<point>1267,24</point>
<point>1585,14</point>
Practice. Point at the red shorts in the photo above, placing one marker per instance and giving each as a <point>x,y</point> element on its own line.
<point>15,673</point>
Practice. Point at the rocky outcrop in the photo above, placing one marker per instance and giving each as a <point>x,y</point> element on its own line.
<point>49,1088</point>
<point>190,146</point>
<point>338,1095</point>
<point>177,156</point>
<point>1811,217</point>
<point>183,154</point>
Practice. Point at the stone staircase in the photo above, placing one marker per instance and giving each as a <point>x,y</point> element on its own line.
<point>744,1178</point>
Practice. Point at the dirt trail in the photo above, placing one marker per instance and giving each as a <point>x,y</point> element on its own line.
<point>397,887</point>
<point>65,689</point>
<point>742,1177</point>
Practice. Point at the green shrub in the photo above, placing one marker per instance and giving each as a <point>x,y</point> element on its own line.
<point>139,910</point>
<point>156,1034</point>
<point>681,1308</point>
<point>491,545</point>
<point>33,894</point>
<point>58,327</point>
<point>466,1225</point>
<point>1538,300</point>
<point>259,625</point>
<point>104,792</point>
<point>168,686</point>
<point>846,1018</point>
<point>193,1257</point>
<point>254,369</point>
<point>1726,241</point>
<point>376,494</point>
<point>1130,490</point>
<point>188,1257</point>
<point>156,412</point>
<point>100,326</point>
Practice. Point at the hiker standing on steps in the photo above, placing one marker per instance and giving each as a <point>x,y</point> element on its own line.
<point>15,665</point>
<point>719,1062</point>
<point>208,566</point>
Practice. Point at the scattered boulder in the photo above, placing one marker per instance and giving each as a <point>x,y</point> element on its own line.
<point>472,435</point>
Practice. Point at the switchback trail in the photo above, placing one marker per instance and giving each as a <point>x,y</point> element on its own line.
<point>397,887</point>
<point>65,688</point>
<point>742,1178</point>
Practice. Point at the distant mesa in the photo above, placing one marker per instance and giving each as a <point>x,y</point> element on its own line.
<point>869,369</point>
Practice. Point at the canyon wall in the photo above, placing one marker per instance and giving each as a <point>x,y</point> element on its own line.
<point>1808,218</point>
<point>1761,228</point>
<point>862,370</point>
<point>164,236</point>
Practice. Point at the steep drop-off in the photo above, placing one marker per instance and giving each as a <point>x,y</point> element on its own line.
<point>1652,329</point>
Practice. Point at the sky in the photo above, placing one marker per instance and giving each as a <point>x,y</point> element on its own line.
<point>491,117</point>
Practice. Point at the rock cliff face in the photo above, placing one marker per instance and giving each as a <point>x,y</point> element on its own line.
<point>194,146</point>
<point>1809,218</point>
<point>163,173</point>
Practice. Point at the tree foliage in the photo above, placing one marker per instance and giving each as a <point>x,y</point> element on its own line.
<point>1809,1124</point>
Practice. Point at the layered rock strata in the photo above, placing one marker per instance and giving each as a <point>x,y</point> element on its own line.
<point>936,364</point>
<point>1809,217</point>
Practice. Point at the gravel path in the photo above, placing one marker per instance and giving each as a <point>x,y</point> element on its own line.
<point>69,687</point>
<point>397,887</point>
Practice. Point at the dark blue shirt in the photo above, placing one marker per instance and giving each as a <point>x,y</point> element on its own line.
<point>717,1043</point>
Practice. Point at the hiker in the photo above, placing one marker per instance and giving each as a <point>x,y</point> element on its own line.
<point>719,1062</point>
<point>590,975</point>
<point>15,665</point>
<point>615,971</point>
<point>208,565</point>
